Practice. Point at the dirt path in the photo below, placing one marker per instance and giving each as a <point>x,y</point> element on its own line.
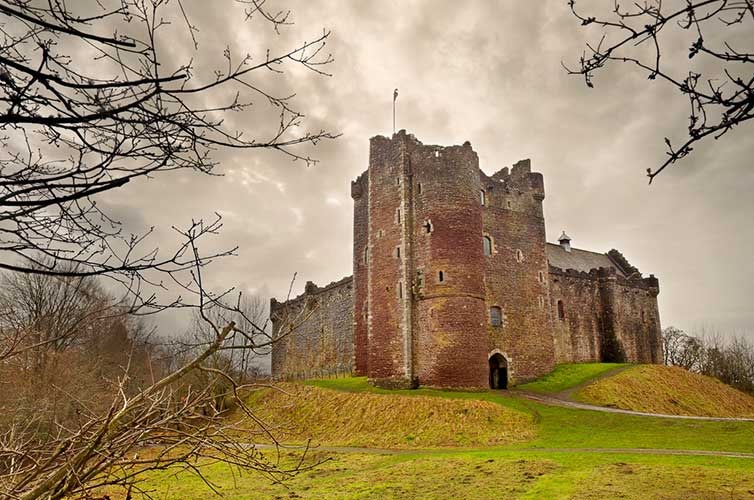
<point>551,400</point>
<point>639,451</point>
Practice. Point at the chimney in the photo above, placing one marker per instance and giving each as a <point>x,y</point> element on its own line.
<point>565,242</point>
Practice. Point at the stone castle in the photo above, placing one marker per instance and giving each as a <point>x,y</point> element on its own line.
<point>454,284</point>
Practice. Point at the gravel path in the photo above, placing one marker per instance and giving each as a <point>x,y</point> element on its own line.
<point>384,451</point>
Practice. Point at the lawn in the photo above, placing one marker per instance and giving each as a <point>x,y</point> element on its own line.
<point>567,376</point>
<point>479,474</point>
<point>571,428</point>
<point>574,454</point>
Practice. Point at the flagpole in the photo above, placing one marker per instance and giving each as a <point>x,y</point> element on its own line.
<point>395,96</point>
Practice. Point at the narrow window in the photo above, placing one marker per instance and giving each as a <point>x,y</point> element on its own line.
<point>366,255</point>
<point>541,302</point>
<point>398,181</point>
<point>398,252</point>
<point>419,278</point>
<point>541,277</point>
<point>519,256</point>
<point>561,310</point>
<point>437,154</point>
<point>483,197</point>
<point>398,215</point>
<point>419,188</point>
<point>487,245</point>
<point>496,316</point>
<point>509,204</point>
<point>441,276</point>
<point>400,289</point>
<point>428,226</point>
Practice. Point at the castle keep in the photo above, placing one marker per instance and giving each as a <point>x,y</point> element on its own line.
<point>454,284</point>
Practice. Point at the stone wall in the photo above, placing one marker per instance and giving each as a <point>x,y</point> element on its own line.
<point>360,195</point>
<point>314,332</point>
<point>606,317</point>
<point>516,271</point>
<point>449,336</point>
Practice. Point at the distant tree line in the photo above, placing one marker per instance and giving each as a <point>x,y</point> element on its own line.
<point>730,360</point>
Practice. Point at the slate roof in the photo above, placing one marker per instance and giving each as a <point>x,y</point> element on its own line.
<point>580,260</point>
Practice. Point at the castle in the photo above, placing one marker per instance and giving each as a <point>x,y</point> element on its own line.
<point>454,284</point>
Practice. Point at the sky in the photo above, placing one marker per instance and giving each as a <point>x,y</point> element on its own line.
<point>490,73</point>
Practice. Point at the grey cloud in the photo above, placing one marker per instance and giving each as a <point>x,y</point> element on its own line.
<point>490,73</point>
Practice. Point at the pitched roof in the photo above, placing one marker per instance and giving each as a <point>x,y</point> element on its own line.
<point>580,260</point>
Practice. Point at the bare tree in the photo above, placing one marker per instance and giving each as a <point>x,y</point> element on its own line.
<point>89,102</point>
<point>720,87</point>
<point>682,350</point>
<point>75,127</point>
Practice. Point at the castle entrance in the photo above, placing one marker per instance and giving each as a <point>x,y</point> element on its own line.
<point>498,372</point>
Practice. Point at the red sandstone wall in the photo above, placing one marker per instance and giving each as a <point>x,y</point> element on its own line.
<point>578,334</point>
<point>513,219</point>
<point>387,340</point>
<point>360,195</point>
<point>449,337</point>
<point>607,317</point>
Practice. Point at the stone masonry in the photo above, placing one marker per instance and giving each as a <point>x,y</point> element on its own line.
<point>454,284</point>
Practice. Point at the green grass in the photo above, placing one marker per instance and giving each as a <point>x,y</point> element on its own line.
<point>536,469</point>
<point>567,376</point>
<point>571,428</point>
<point>480,474</point>
<point>667,389</point>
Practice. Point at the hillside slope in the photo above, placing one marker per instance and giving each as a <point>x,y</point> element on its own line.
<point>667,389</point>
<point>386,421</point>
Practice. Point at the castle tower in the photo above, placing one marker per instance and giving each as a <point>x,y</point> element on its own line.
<point>424,309</point>
<point>517,272</point>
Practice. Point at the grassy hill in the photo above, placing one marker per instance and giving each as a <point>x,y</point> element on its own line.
<point>388,421</point>
<point>554,452</point>
<point>568,376</point>
<point>667,389</point>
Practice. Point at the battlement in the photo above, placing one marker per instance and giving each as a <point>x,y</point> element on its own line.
<point>310,290</point>
<point>596,275</point>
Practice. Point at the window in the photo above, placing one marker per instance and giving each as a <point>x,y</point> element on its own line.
<point>400,289</point>
<point>398,215</point>
<point>366,255</point>
<point>398,181</point>
<point>519,256</point>
<point>428,226</point>
<point>496,316</point>
<point>398,252</point>
<point>509,204</point>
<point>561,310</point>
<point>487,245</point>
<point>441,277</point>
<point>419,278</point>
<point>437,154</point>
<point>541,277</point>
<point>541,302</point>
<point>419,188</point>
<point>483,197</point>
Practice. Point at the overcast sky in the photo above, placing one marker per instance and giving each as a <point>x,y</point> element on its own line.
<point>490,73</point>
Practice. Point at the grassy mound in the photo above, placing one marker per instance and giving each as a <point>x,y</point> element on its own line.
<point>670,390</point>
<point>337,418</point>
<point>564,377</point>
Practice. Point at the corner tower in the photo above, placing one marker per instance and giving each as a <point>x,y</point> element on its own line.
<point>419,263</point>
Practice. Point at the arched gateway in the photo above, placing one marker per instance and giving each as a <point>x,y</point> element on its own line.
<point>498,371</point>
